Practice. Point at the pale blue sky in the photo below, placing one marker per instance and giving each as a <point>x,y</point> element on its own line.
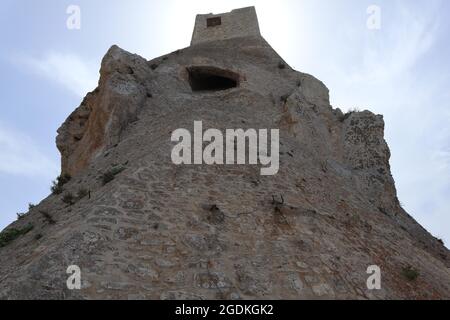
<point>401,71</point>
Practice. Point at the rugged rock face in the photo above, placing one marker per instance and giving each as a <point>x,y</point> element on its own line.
<point>102,116</point>
<point>160,231</point>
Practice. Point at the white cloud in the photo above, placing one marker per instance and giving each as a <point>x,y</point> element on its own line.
<point>69,70</point>
<point>20,156</point>
<point>386,62</point>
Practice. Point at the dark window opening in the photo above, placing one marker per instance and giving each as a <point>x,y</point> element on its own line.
<point>213,22</point>
<point>212,79</point>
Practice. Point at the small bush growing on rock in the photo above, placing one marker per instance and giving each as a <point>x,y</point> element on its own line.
<point>58,184</point>
<point>110,175</point>
<point>69,199</point>
<point>410,273</point>
<point>82,193</point>
<point>47,217</point>
<point>346,116</point>
<point>20,216</point>
<point>281,65</point>
<point>107,177</point>
<point>31,206</point>
<point>7,236</point>
<point>349,113</point>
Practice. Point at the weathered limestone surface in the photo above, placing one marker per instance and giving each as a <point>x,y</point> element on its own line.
<point>103,115</point>
<point>160,231</point>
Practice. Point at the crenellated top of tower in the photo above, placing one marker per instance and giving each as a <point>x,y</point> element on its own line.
<point>235,24</point>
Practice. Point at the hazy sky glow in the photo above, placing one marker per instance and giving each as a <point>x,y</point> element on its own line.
<point>401,71</point>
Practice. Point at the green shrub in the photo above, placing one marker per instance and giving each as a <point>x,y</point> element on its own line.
<point>31,206</point>
<point>7,236</point>
<point>71,199</point>
<point>109,175</point>
<point>58,184</point>
<point>410,273</point>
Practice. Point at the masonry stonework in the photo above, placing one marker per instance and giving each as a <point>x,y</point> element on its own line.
<point>141,227</point>
<point>235,24</point>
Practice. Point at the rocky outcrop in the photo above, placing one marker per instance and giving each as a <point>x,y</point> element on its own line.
<point>150,229</point>
<point>97,124</point>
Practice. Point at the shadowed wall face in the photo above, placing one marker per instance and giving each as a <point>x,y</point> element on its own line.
<point>235,24</point>
<point>212,79</point>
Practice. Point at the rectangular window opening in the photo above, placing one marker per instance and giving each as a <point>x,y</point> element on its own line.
<point>213,22</point>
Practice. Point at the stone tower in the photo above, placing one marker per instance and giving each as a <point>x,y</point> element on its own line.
<point>235,24</point>
<point>140,226</point>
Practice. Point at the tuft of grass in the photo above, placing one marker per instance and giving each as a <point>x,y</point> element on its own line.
<point>8,236</point>
<point>69,199</point>
<point>82,193</point>
<point>47,217</point>
<point>107,177</point>
<point>31,206</point>
<point>410,273</point>
<point>110,175</point>
<point>349,113</point>
<point>346,116</point>
<point>20,216</point>
<point>58,184</point>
